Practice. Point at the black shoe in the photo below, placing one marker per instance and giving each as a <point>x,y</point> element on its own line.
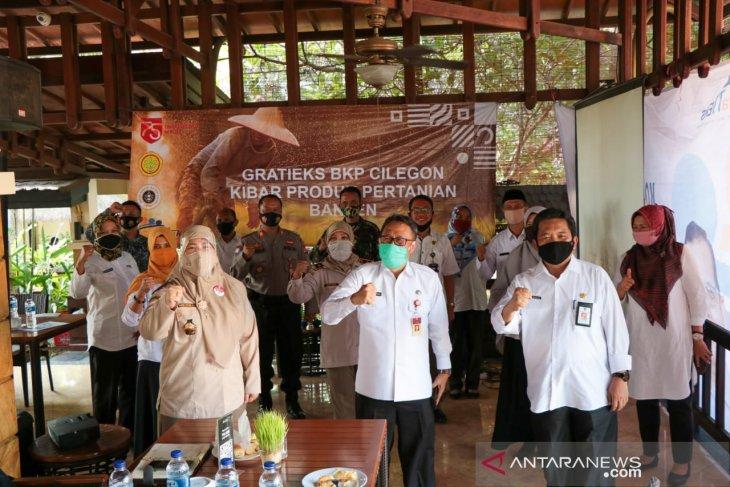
<point>652,464</point>
<point>265,403</point>
<point>294,410</point>
<point>675,480</point>
<point>439,416</point>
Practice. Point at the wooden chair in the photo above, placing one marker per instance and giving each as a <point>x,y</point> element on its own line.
<point>100,480</point>
<point>20,352</point>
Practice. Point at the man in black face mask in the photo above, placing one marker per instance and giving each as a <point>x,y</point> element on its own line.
<point>129,215</point>
<point>265,265</point>
<point>576,348</point>
<point>228,243</point>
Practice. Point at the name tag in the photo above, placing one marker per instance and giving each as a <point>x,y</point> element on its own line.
<point>503,254</point>
<point>584,314</point>
<point>416,326</point>
<point>111,269</point>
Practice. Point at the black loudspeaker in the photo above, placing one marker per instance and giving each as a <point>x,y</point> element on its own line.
<point>20,103</point>
<point>73,431</point>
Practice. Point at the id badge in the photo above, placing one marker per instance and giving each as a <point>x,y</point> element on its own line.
<point>416,326</point>
<point>584,314</point>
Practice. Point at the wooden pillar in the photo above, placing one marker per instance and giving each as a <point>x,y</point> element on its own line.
<point>207,67</point>
<point>593,49</point>
<point>625,58</point>
<point>531,10</point>
<point>642,17</point>
<point>716,17</point>
<point>683,45</point>
<point>659,44</point>
<point>17,48</point>
<point>71,80</point>
<point>235,59</point>
<point>124,78</point>
<point>178,88</point>
<point>411,36</point>
<point>467,36</point>
<point>291,43</point>
<point>348,40</point>
<point>109,73</point>
<point>703,34</point>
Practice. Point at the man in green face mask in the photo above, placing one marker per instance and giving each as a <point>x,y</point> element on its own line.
<point>366,232</point>
<point>400,307</point>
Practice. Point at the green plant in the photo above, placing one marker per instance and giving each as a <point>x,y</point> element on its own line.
<point>46,269</point>
<point>271,428</point>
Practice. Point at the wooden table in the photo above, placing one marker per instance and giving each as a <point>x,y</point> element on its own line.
<point>312,444</point>
<point>33,339</point>
<point>96,457</point>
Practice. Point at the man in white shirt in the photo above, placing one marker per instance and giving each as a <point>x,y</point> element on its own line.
<point>576,346</point>
<point>400,307</point>
<point>228,243</point>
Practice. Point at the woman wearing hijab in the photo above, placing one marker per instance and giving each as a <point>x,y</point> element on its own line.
<point>512,421</point>
<point>162,245</point>
<point>102,275</point>
<point>338,350</point>
<point>470,305</point>
<point>665,314</point>
<point>210,357</point>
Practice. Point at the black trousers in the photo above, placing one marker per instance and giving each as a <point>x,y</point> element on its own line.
<point>113,379</point>
<point>569,432</point>
<point>279,323</point>
<point>466,356</point>
<point>512,419</point>
<point>681,427</point>
<point>416,435</point>
<point>145,405</point>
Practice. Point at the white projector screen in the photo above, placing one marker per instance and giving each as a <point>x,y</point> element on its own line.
<point>610,172</point>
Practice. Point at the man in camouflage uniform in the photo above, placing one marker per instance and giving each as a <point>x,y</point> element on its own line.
<point>366,232</point>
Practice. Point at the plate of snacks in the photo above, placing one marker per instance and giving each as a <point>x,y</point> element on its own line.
<point>242,454</point>
<point>335,477</point>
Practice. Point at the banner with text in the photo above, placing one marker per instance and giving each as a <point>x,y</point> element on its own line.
<point>187,165</point>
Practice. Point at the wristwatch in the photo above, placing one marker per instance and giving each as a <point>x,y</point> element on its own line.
<point>624,376</point>
<point>698,336</point>
<point>444,371</point>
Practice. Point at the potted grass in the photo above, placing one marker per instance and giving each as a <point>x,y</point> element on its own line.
<point>271,428</point>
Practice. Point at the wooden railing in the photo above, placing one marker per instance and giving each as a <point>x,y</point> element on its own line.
<point>711,388</point>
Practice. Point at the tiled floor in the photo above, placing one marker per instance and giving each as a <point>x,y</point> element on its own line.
<point>470,423</point>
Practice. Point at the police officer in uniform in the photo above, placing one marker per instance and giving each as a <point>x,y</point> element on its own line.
<point>265,265</point>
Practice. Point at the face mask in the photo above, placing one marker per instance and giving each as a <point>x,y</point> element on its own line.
<point>514,217</point>
<point>645,238</point>
<point>424,227</point>
<point>270,219</point>
<point>225,228</point>
<point>129,222</point>
<point>350,211</point>
<point>555,252</point>
<point>340,250</point>
<point>200,264</point>
<point>462,226</point>
<point>163,257</point>
<point>110,241</point>
<point>393,256</point>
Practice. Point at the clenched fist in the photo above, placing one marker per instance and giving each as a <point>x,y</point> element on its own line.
<point>83,257</point>
<point>300,269</point>
<point>626,283</point>
<point>521,298</point>
<point>482,252</point>
<point>249,249</point>
<point>366,295</point>
<point>173,296</point>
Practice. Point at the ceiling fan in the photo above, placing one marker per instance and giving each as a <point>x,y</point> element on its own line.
<point>382,57</point>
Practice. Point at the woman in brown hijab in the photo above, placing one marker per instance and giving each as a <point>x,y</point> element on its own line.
<point>210,360</point>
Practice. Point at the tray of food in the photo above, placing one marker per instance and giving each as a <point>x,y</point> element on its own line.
<point>335,477</point>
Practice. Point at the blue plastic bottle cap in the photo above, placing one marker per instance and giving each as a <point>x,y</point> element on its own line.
<point>226,462</point>
<point>176,454</point>
<point>120,464</point>
<point>269,465</point>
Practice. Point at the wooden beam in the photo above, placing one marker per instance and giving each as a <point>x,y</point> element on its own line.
<point>348,41</point>
<point>582,33</point>
<point>467,39</point>
<point>109,73</point>
<point>531,10</point>
<point>312,17</point>
<point>292,52</point>
<point>235,59</point>
<point>411,36</point>
<point>16,38</point>
<point>659,43</point>
<point>625,51</point>
<point>642,18</point>
<point>468,14</point>
<point>593,49</point>
<point>97,158</point>
<point>178,86</point>
<point>683,36</point>
<point>716,20</point>
<point>98,137</point>
<point>704,23</point>
<point>566,9</point>
<point>123,66</point>
<point>71,82</point>
<point>604,8</point>
<point>207,68</point>
<point>86,116</point>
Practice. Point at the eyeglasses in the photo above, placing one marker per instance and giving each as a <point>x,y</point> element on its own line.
<point>421,211</point>
<point>399,241</point>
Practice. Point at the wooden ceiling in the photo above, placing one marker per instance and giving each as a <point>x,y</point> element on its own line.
<point>88,99</point>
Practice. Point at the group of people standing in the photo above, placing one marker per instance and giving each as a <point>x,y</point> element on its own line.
<point>192,334</point>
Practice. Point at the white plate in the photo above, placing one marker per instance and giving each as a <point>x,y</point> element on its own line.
<point>201,482</point>
<point>311,478</point>
<point>247,458</point>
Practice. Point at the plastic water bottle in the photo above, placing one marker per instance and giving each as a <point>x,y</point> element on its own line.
<point>177,471</point>
<point>270,477</point>
<point>30,318</point>
<point>120,477</point>
<point>227,475</point>
<point>14,315</point>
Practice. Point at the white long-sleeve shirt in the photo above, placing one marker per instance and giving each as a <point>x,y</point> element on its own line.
<point>150,350</point>
<point>568,364</point>
<point>104,284</point>
<point>393,360</point>
<point>498,250</point>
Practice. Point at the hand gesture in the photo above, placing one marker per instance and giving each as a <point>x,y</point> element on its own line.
<point>521,298</point>
<point>626,283</point>
<point>83,257</point>
<point>147,284</point>
<point>618,394</point>
<point>440,384</point>
<point>249,249</point>
<point>173,296</point>
<point>366,295</point>
<point>116,208</point>
<point>482,252</point>
<point>300,269</point>
<point>456,239</point>
<point>702,355</point>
